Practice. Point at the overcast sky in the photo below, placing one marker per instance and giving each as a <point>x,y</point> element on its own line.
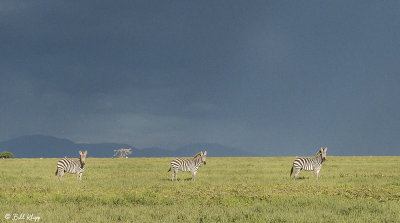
<point>271,77</point>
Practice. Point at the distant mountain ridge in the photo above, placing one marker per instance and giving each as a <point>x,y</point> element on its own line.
<point>32,146</point>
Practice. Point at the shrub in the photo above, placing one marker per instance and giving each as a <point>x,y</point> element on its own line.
<point>6,154</point>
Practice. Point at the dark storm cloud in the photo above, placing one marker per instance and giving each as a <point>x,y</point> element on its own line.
<point>271,77</point>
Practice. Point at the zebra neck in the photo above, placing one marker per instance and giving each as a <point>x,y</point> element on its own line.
<point>319,159</point>
<point>197,161</point>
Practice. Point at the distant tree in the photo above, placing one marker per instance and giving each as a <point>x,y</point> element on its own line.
<point>5,155</point>
<point>123,152</point>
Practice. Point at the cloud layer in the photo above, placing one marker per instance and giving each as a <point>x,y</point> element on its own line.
<point>272,78</point>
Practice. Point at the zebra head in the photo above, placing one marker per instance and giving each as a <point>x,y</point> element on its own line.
<point>82,157</point>
<point>322,153</point>
<point>203,157</point>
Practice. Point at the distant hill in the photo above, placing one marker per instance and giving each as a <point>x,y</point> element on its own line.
<point>48,146</point>
<point>31,146</point>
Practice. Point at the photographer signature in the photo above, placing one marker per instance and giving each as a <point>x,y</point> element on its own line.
<point>28,217</point>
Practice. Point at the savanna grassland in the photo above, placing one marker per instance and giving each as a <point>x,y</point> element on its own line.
<point>350,189</point>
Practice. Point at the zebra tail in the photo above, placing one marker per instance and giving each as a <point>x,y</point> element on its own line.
<point>169,169</point>
<point>291,171</point>
<point>56,171</point>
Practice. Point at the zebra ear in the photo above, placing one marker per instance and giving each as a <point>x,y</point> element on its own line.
<point>85,152</point>
<point>80,152</point>
<point>205,153</point>
<point>326,148</point>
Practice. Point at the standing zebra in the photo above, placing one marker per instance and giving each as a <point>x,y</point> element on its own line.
<point>309,164</point>
<point>72,166</point>
<point>187,165</point>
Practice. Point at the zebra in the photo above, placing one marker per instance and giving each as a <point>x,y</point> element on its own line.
<point>72,166</point>
<point>309,164</point>
<point>187,165</point>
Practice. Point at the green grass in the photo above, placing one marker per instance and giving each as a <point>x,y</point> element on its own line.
<point>350,189</point>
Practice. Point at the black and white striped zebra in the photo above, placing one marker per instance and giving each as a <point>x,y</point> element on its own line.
<point>72,166</point>
<point>309,164</point>
<point>188,165</point>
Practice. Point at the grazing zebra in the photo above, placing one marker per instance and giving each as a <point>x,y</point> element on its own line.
<point>187,165</point>
<point>309,164</point>
<point>72,166</point>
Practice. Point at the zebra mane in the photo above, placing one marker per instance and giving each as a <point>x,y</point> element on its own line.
<point>197,155</point>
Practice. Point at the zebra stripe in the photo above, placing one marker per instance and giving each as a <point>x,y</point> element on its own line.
<point>66,165</point>
<point>188,165</point>
<point>309,164</point>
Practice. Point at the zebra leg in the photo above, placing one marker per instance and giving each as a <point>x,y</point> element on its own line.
<point>80,176</point>
<point>194,175</point>
<point>77,176</point>
<point>61,175</point>
<point>316,173</point>
<point>175,175</point>
<point>296,173</point>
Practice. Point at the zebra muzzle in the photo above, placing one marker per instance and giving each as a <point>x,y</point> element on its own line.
<point>204,162</point>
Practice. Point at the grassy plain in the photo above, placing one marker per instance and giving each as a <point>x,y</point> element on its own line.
<point>350,189</point>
